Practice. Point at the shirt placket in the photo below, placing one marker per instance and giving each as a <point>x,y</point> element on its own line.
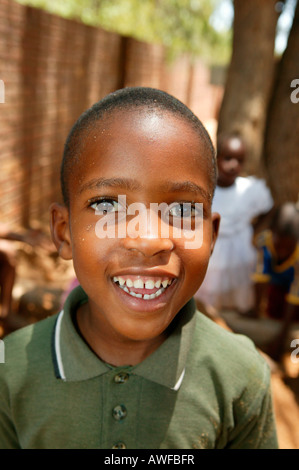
<point>120,389</point>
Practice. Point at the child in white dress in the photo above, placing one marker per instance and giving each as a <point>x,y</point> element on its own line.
<point>238,200</point>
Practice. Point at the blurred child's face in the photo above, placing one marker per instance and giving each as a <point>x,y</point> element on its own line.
<point>230,161</point>
<point>136,286</point>
<point>284,246</point>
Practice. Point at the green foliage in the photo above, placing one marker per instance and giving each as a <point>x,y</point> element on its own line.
<point>181,25</point>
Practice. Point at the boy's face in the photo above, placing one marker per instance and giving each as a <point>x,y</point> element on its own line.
<point>149,157</point>
<point>230,161</point>
<point>284,246</point>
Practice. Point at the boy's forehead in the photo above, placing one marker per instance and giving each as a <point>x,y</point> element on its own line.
<point>146,120</point>
<point>149,140</point>
<point>142,126</point>
<point>232,145</point>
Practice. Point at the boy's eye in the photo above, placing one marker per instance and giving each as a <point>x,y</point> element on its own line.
<point>227,158</point>
<point>105,206</point>
<point>182,210</point>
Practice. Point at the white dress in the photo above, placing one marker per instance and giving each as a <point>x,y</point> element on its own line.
<point>228,279</point>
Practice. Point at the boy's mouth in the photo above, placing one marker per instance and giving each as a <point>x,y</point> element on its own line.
<point>143,287</point>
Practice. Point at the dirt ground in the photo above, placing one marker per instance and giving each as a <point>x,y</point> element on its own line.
<point>42,278</point>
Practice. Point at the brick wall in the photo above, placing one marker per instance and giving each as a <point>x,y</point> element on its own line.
<point>147,65</point>
<point>53,69</point>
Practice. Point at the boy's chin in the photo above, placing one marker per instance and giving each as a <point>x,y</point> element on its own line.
<point>151,332</point>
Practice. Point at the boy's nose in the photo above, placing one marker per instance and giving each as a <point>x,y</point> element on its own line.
<point>152,236</point>
<point>234,164</point>
<point>149,246</point>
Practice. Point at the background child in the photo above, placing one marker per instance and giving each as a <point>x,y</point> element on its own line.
<point>238,200</point>
<point>128,362</point>
<point>8,262</point>
<point>277,271</point>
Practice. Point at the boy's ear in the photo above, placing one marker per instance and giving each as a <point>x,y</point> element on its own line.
<point>216,223</point>
<point>60,231</point>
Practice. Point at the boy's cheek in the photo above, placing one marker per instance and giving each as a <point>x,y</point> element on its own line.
<point>91,253</point>
<point>195,260</point>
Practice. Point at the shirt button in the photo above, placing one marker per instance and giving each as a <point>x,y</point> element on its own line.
<point>121,378</point>
<point>119,445</point>
<point>119,412</point>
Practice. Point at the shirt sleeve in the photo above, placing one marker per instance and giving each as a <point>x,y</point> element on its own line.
<point>8,434</point>
<point>263,200</point>
<point>254,416</point>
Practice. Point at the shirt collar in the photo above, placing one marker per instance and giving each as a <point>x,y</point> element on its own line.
<point>74,361</point>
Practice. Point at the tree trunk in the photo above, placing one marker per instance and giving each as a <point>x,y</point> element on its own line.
<point>281,151</point>
<point>250,76</point>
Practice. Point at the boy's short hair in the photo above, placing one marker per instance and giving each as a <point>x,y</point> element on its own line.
<point>124,99</point>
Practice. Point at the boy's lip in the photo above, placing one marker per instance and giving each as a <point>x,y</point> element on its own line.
<point>144,273</point>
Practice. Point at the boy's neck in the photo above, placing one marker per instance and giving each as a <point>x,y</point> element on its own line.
<point>113,350</point>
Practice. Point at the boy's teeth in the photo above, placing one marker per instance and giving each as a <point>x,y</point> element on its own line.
<point>144,296</point>
<point>150,284</point>
<point>135,295</point>
<point>152,296</point>
<point>138,284</point>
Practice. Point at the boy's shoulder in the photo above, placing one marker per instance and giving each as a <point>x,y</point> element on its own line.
<point>253,186</point>
<point>216,335</point>
<point>30,346</point>
<point>37,330</point>
<point>226,353</point>
<point>40,335</point>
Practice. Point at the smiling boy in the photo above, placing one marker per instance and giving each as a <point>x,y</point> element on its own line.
<point>129,363</point>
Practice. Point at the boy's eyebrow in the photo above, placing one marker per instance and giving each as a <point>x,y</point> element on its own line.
<point>130,184</point>
<point>124,183</point>
<point>187,186</point>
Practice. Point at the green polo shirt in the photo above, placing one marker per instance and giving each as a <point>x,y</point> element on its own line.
<point>203,387</point>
